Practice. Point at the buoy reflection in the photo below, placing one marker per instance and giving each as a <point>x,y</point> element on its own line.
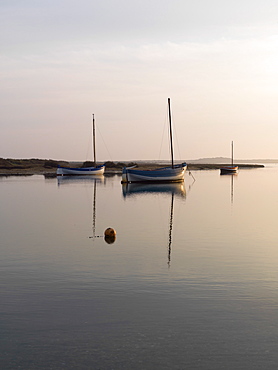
<point>110,239</point>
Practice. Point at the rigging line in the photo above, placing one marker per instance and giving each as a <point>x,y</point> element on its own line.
<point>163,133</point>
<point>191,174</point>
<point>104,143</point>
<point>89,147</point>
<point>88,150</point>
<point>168,131</point>
<point>166,127</point>
<point>176,136</point>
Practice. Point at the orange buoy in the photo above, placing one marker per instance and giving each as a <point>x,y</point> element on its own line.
<point>110,232</point>
<point>110,235</point>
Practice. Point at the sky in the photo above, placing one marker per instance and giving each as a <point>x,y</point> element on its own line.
<point>63,60</point>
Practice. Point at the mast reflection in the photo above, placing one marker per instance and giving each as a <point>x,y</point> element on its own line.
<point>170,230</point>
<point>173,189</point>
<point>232,176</point>
<point>93,181</point>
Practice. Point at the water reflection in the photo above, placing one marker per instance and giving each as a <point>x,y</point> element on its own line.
<point>140,188</point>
<point>216,307</point>
<point>170,229</point>
<point>80,179</point>
<point>110,239</point>
<point>173,189</point>
<point>93,181</point>
<point>231,176</point>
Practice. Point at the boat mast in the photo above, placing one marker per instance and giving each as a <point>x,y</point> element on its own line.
<point>94,141</point>
<point>170,128</point>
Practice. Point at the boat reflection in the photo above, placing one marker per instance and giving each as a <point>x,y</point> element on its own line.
<point>232,187</point>
<point>172,189</point>
<point>63,180</point>
<point>232,176</point>
<point>133,189</point>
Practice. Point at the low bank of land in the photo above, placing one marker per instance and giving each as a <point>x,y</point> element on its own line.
<point>48,167</point>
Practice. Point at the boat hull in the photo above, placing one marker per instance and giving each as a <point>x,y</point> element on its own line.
<point>166,174</point>
<point>228,170</point>
<point>99,170</point>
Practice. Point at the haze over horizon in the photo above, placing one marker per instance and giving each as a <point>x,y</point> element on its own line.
<point>61,61</point>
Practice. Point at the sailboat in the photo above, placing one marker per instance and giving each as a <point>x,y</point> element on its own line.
<point>229,169</point>
<point>95,170</point>
<point>175,173</point>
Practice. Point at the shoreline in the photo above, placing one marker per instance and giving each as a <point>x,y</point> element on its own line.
<point>27,168</point>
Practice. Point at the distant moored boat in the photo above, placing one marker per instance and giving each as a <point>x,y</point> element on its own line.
<point>229,169</point>
<point>95,170</point>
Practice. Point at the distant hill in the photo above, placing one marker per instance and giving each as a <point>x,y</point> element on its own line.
<point>223,160</point>
<point>214,160</point>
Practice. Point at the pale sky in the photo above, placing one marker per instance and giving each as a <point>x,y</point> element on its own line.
<point>62,60</point>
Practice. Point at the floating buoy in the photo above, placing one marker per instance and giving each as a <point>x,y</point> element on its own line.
<point>110,235</point>
<point>110,232</point>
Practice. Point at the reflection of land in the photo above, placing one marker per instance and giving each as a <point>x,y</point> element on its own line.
<point>80,179</point>
<point>139,188</point>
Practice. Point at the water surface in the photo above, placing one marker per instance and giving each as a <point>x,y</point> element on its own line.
<point>189,283</point>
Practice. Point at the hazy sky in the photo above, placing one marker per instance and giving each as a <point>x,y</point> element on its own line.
<point>62,60</point>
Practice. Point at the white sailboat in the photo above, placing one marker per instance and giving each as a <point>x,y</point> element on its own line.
<point>175,173</point>
<point>229,169</point>
<point>95,170</point>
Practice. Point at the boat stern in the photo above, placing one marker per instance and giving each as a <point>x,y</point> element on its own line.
<point>59,171</point>
<point>124,176</point>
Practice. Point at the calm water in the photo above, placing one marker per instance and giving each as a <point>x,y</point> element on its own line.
<point>191,281</point>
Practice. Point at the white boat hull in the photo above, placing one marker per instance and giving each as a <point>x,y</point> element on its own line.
<point>99,170</point>
<point>166,174</point>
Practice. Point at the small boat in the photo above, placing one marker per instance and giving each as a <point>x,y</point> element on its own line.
<point>95,170</point>
<point>175,173</point>
<point>67,171</point>
<point>229,169</point>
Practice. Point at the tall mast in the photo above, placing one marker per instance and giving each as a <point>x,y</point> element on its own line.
<point>171,138</point>
<point>94,141</point>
